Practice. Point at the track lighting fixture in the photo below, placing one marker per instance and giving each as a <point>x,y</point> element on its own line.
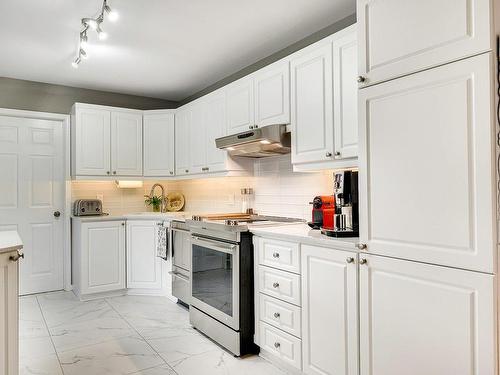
<point>94,24</point>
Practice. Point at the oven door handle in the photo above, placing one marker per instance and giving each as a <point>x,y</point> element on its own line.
<point>214,245</point>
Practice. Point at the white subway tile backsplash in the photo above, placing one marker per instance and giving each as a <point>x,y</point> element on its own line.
<point>277,191</point>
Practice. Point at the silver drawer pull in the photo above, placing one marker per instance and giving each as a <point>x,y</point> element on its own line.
<point>277,315</point>
<point>16,257</point>
<point>276,255</point>
<point>277,345</point>
<point>276,285</point>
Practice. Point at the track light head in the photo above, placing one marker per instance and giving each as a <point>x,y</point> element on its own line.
<point>84,40</point>
<point>76,62</point>
<point>101,34</point>
<point>83,54</point>
<point>112,14</point>
<point>90,22</point>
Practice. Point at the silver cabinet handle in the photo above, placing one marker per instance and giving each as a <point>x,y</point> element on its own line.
<point>108,172</point>
<point>276,315</point>
<point>277,345</point>
<point>15,258</point>
<point>350,260</point>
<point>276,285</point>
<point>328,154</point>
<point>363,261</point>
<point>361,246</point>
<point>171,172</point>
<point>114,172</point>
<point>361,79</point>
<point>187,170</point>
<point>337,153</point>
<point>276,255</point>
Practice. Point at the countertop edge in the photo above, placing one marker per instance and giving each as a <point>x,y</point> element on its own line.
<point>11,242</point>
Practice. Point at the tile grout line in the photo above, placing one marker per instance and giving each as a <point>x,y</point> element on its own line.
<point>50,335</point>
<point>142,337</point>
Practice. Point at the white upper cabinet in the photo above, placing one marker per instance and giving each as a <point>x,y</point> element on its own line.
<point>272,94</point>
<point>198,139</point>
<point>426,179</point>
<point>329,311</point>
<point>398,37</point>
<point>182,142</point>
<point>420,319</point>
<point>106,141</point>
<point>345,95</point>
<point>215,123</point>
<point>91,137</point>
<point>240,105</point>
<point>312,104</point>
<point>126,143</point>
<point>159,144</point>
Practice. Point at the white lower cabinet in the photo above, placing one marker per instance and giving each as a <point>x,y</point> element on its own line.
<point>98,257</point>
<point>144,268</point>
<point>329,311</point>
<point>374,315</point>
<point>421,319</point>
<point>9,314</point>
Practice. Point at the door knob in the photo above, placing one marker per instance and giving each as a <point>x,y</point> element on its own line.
<point>57,214</point>
<point>361,246</point>
<point>15,258</point>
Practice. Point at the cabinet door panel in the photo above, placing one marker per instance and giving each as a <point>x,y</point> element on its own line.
<point>126,144</point>
<point>272,94</point>
<point>103,261</point>
<point>182,144</point>
<point>420,319</point>
<point>426,180</point>
<point>312,105</point>
<point>9,315</point>
<point>215,122</point>
<point>143,266</point>
<point>345,95</point>
<point>240,106</point>
<point>399,37</point>
<point>92,142</point>
<point>159,145</point>
<point>198,138</point>
<point>329,312</point>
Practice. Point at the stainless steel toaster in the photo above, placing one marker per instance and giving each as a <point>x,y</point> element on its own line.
<point>87,207</point>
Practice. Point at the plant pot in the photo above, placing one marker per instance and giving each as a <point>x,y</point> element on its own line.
<point>156,208</point>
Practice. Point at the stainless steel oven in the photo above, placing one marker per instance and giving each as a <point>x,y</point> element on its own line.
<point>215,279</point>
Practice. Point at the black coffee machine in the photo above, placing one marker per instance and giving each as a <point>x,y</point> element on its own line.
<point>346,218</point>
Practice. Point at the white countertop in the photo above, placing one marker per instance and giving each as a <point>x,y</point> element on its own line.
<point>303,234</point>
<point>181,216</point>
<point>10,241</point>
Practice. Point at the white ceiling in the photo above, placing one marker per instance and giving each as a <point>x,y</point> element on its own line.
<point>167,49</point>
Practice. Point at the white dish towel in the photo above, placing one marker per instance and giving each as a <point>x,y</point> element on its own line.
<point>162,244</point>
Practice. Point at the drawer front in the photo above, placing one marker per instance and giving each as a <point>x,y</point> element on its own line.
<point>279,254</point>
<point>280,284</point>
<point>280,314</point>
<point>281,344</point>
<point>181,285</point>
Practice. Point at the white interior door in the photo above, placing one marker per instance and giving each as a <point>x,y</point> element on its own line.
<point>31,191</point>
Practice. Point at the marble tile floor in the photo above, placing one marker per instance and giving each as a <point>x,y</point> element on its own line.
<point>120,335</point>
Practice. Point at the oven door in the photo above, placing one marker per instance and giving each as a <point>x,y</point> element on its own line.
<point>215,278</point>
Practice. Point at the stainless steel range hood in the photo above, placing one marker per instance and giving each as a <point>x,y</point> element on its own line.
<point>262,142</point>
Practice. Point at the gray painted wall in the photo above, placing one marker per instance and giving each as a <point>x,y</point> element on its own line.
<point>45,97</point>
<point>323,33</point>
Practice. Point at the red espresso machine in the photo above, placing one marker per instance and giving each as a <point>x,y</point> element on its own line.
<point>323,211</point>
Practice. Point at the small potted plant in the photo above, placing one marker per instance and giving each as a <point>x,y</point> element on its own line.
<point>154,201</point>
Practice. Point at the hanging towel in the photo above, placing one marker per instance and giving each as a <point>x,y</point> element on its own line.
<point>162,244</point>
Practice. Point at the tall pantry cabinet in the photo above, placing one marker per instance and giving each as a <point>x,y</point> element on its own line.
<point>427,187</point>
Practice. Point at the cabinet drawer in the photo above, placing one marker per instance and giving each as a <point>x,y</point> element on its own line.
<point>280,284</point>
<point>279,254</point>
<point>280,314</point>
<point>281,344</point>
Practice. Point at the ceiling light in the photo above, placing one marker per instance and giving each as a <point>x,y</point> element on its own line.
<point>112,15</point>
<point>84,40</point>
<point>92,23</point>
<point>101,34</point>
<point>83,54</point>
